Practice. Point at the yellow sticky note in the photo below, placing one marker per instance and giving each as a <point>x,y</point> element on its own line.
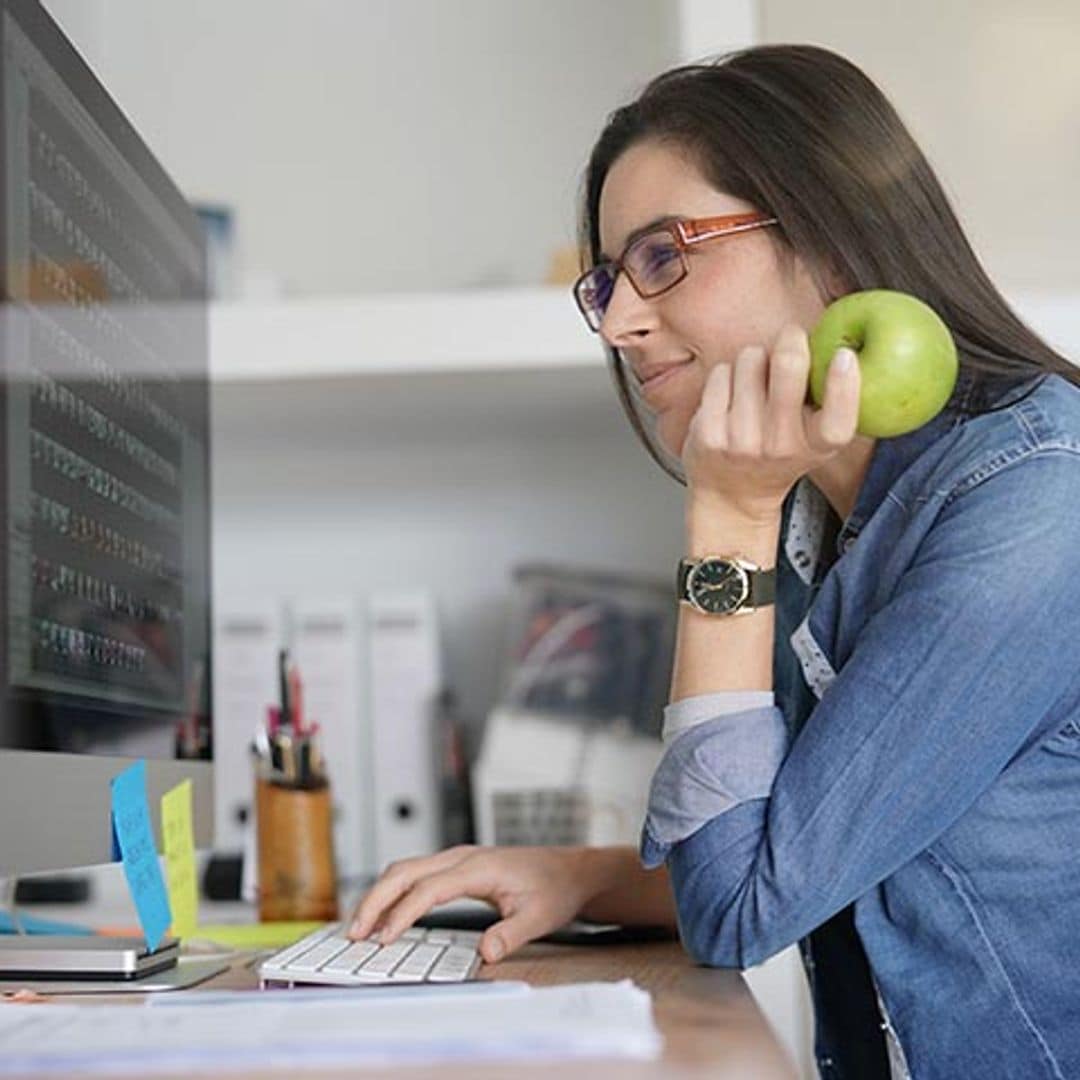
<point>179,844</point>
<point>273,935</point>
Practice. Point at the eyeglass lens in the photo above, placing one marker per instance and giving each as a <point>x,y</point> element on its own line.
<point>653,262</point>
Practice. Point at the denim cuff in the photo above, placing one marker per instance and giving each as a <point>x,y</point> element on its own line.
<point>712,767</point>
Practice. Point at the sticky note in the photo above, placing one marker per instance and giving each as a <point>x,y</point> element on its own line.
<point>178,838</point>
<point>271,935</point>
<point>131,820</point>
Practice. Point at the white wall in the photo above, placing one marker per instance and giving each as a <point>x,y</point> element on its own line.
<point>378,144</point>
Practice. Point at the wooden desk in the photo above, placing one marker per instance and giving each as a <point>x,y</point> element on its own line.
<point>711,1024</point>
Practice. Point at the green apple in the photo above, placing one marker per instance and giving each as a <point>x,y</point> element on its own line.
<point>907,358</point>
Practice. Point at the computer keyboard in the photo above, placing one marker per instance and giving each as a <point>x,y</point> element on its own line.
<point>328,958</point>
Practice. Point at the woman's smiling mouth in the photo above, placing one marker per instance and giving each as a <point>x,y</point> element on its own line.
<point>653,376</point>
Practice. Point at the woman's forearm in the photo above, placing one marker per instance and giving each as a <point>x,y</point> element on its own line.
<point>711,654</point>
<point>625,891</point>
<point>736,653</point>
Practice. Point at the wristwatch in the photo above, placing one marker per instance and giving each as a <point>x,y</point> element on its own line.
<point>725,585</point>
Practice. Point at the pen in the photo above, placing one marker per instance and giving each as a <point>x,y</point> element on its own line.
<point>296,699</point>
<point>288,756</point>
<point>283,685</point>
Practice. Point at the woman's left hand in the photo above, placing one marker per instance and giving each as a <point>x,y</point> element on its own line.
<point>754,434</point>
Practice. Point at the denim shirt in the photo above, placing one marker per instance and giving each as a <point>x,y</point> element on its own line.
<point>908,805</point>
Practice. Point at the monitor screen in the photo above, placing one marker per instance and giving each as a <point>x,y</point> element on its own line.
<point>104,486</point>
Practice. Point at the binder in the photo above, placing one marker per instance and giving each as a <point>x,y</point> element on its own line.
<point>327,647</point>
<point>248,631</point>
<point>405,679</point>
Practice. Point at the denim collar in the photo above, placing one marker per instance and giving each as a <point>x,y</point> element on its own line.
<point>892,456</point>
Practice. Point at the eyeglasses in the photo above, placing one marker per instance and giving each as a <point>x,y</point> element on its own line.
<point>656,261</point>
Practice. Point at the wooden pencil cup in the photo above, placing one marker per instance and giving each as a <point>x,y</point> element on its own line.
<point>297,877</point>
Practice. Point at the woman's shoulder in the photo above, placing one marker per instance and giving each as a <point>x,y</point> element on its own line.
<point>1027,422</point>
<point>1050,414</point>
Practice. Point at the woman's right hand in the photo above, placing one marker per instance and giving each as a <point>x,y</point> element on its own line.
<point>534,889</point>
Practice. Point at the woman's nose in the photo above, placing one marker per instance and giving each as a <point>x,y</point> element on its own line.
<point>627,318</point>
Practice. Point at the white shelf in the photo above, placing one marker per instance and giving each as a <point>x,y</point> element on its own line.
<point>506,330</point>
<point>456,333</point>
<point>371,369</point>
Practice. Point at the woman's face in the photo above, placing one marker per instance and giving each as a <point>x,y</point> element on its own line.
<point>739,290</point>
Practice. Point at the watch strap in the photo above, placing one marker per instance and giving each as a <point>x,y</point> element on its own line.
<point>762,588</point>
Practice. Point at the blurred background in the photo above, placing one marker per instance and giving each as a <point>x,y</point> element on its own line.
<point>449,138</point>
<point>408,419</point>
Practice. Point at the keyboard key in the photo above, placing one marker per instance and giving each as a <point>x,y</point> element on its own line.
<point>306,943</point>
<point>454,965</point>
<point>348,961</point>
<point>417,964</point>
<point>380,966</point>
<point>314,959</point>
<point>440,937</point>
<point>469,938</point>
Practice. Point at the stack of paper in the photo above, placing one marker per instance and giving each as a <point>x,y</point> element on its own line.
<point>211,1032</point>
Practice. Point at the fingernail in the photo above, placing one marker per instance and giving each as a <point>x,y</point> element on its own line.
<point>495,950</point>
<point>844,361</point>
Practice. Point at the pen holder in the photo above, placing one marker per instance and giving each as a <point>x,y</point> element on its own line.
<point>297,878</point>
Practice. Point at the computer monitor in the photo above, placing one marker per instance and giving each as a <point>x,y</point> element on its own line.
<point>104,482</point>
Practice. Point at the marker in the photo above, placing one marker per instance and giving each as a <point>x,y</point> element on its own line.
<point>283,685</point>
<point>296,699</point>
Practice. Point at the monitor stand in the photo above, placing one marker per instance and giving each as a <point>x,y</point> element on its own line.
<point>56,964</point>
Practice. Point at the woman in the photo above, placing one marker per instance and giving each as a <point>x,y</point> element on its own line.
<point>882,764</point>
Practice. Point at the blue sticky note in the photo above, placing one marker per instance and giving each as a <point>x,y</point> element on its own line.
<point>131,821</point>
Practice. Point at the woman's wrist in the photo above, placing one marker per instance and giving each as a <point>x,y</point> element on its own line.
<point>715,526</point>
<point>617,888</point>
<point>597,869</point>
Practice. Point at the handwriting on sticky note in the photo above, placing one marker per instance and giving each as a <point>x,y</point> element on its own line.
<point>131,822</point>
<point>178,838</point>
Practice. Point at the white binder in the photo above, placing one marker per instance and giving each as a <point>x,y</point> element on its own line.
<point>405,679</point>
<point>327,648</point>
<point>248,632</point>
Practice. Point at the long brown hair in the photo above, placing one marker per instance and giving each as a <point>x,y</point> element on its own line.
<point>802,133</point>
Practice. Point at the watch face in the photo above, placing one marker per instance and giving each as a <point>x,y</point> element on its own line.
<point>718,586</point>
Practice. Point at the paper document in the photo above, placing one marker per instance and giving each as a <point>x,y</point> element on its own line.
<point>291,1030</point>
